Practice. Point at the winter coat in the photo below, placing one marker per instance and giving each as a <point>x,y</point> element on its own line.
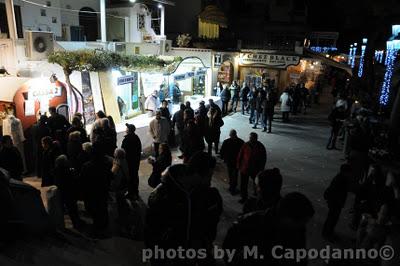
<point>336,193</point>
<point>269,103</point>
<point>244,92</point>
<point>133,149</point>
<point>192,139</point>
<point>178,121</point>
<point>230,150</point>
<point>58,125</point>
<point>11,160</point>
<point>214,124</point>
<point>152,103</point>
<point>121,177</point>
<point>82,130</point>
<point>159,165</point>
<point>225,95</point>
<point>262,230</point>
<point>159,130</point>
<point>252,158</point>
<point>285,102</point>
<point>48,159</point>
<point>183,211</point>
<point>235,92</point>
<point>165,113</point>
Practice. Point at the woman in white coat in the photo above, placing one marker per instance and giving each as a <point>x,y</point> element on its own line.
<point>286,102</point>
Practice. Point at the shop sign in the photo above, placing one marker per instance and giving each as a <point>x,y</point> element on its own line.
<point>269,60</point>
<point>126,80</point>
<point>190,75</point>
<point>45,92</point>
<point>217,60</point>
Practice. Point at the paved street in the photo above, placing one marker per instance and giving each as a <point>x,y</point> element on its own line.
<point>298,149</point>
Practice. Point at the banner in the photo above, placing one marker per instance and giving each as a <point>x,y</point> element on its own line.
<point>268,60</point>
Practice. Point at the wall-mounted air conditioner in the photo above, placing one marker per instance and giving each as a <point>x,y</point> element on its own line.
<point>165,46</point>
<point>39,44</point>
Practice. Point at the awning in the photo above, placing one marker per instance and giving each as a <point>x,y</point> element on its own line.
<point>328,61</point>
<point>209,22</point>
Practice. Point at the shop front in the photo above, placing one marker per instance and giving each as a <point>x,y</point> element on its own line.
<point>257,68</point>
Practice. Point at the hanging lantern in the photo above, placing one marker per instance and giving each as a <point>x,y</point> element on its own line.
<point>210,21</point>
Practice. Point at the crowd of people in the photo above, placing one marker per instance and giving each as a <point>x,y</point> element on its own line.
<point>184,208</point>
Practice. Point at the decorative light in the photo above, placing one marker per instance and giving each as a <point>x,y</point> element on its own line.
<point>361,66</point>
<point>132,1</point>
<point>353,59</point>
<point>350,55</point>
<point>320,49</point>
<point>160,6</point>
<point>392,49</point>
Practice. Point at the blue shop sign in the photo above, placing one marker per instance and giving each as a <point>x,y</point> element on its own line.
<point>126,79</point>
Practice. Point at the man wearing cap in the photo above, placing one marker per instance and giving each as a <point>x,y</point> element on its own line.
<point>133,149</point>
<point>159,129</point>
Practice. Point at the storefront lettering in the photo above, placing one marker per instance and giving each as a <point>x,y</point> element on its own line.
<point>281,61</point>
<point>45,92</point>
<point>126,79</point>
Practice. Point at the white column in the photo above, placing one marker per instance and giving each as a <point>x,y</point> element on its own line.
<point>162,24</point>
<point>127,29</point>
<point>12,26</point>
<point>103,20</point>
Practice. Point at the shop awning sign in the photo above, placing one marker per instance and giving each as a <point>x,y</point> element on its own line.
<point>268,60</point>
<point>190,74</point>
<point>126,80</point>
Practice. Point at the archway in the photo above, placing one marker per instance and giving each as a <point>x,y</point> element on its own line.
<point>88,20</point>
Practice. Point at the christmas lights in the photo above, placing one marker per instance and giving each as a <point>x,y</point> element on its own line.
<point>353,59</point>
<point>391,54</point>
<point>350,55</point>
<point>361,66</point>
<point>320,49</point>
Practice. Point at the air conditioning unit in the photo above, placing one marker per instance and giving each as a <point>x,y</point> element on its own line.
<point>165,46</point>
<point>39,44</point>
<point>117,47</point>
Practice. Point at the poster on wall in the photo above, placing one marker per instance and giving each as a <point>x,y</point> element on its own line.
<point>127,90</point>
<point>152,82</point>
<point>29,107</point>
<point>88,104</point>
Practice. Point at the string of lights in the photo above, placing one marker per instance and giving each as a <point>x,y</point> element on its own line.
<point>353,59</point>
<point>350,55</point>
<point>391,55</point>
<point>361,65</point>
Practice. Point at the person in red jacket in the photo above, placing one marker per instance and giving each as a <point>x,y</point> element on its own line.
<point>250,161</point>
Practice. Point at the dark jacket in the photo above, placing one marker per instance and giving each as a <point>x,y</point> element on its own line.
<point>109,141</point>
<point>48,159</point>
<point>162,162</point>
<point>230,150</point>
<point>252,158</point>
<point>244,92</point>
<point>336,193</point>
<point>10,160</point>
<point>56,123</point>
<point>182,211</point>
<point>270,102</point>
<point>178,120</point>
<point>133,149</point>
<point>192,139</point>
<point>235,92</point>
<point>262,230</point>
<point>165,113</point>
<point>225,95</point>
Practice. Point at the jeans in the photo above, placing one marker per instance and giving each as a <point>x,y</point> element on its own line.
<point>244,183</point>
<point>225,107</point>
<point>156,148</point>
<point>244,107</point>
<point>233,177</point>
<point>331,220</point>
<point>285,116</point>
<point>252,115</point>
<point>258,115</point>
<point>235,102</point>
<point>333,137</point>
<point>267,121</point>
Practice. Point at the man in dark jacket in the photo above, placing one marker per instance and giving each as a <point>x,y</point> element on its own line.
<point>336,117</point>
<point>189,111</point>
<point>96,178</point>
<point>178,124</point>
<point>229,153</point>
<point>133,149</point>
<point>269,109</point>
<point>58,125</point>
<point>184,211</point>
<point>250,161</point>
<point>10,158</point>
<point>244,92</point>
<point>258,108</point>
<point>225,98</point>
<point>252,104</point>
<point>336,195</point>
<point>271,232</point>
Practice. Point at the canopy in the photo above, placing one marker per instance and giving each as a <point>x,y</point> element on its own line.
<point>209,22</point>
<point>328,61</point>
